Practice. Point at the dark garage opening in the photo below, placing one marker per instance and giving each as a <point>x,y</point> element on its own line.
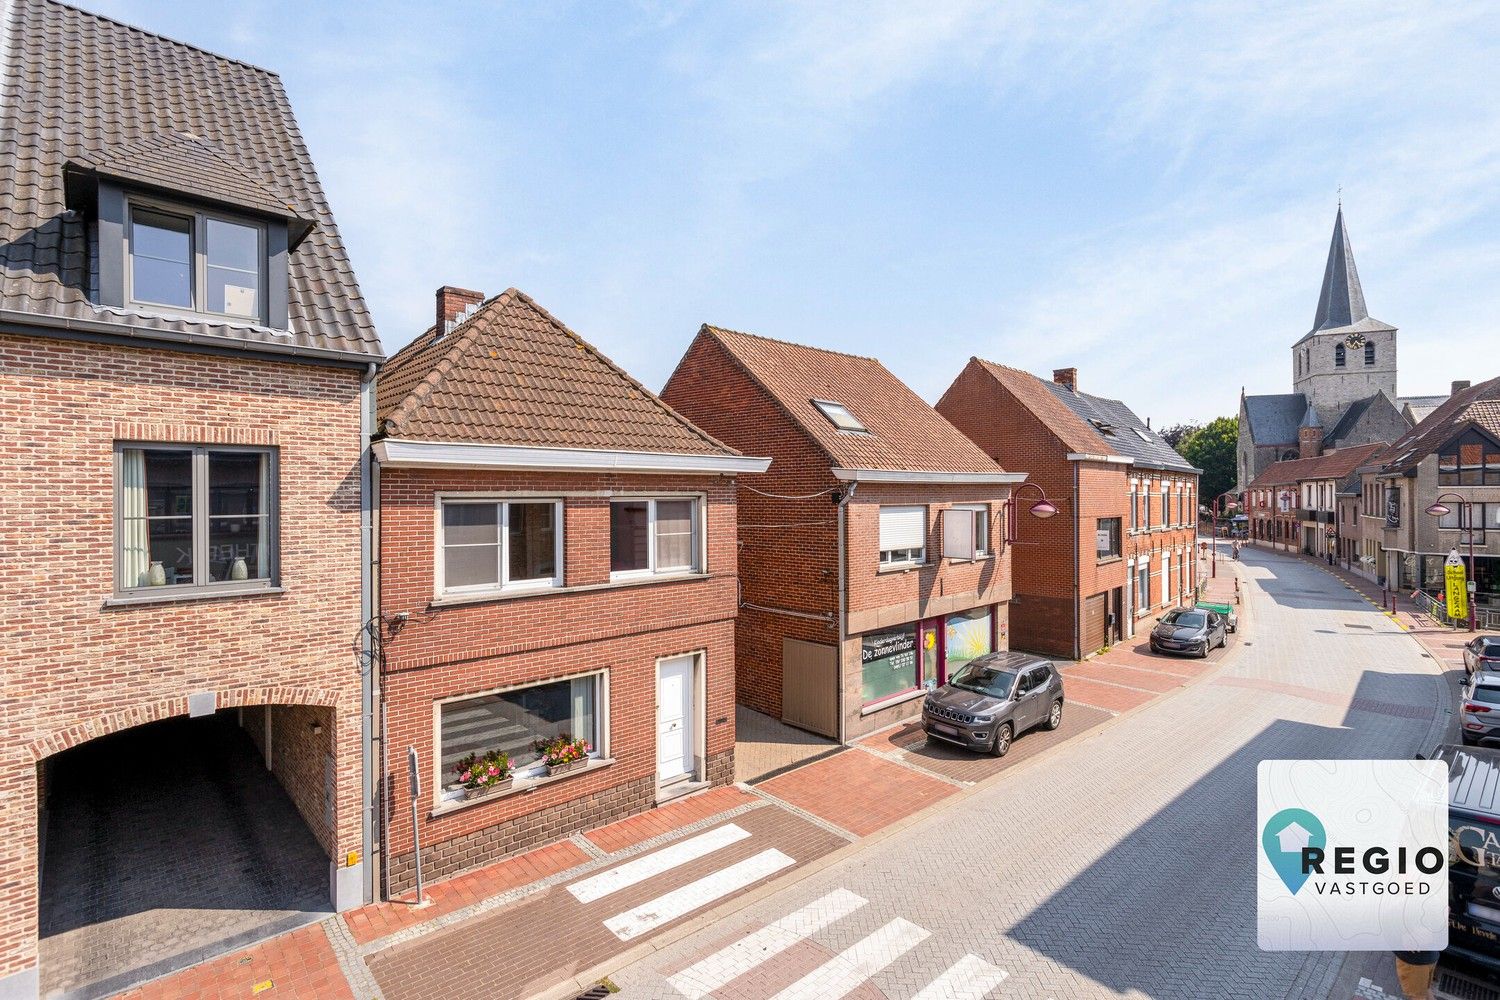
<point>162,845</point>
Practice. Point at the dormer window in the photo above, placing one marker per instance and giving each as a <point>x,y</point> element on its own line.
<point>198,261</point>
<point>839,416</point>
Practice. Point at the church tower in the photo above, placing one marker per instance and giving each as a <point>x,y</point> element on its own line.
<point>1347,355</point>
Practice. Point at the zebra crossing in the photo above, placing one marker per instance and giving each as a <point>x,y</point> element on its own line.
<point>714,976</point>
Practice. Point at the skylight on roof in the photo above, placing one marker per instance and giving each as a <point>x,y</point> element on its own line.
<point>838,415</point>
<point>1142,434</point>
<point>1108,430</point>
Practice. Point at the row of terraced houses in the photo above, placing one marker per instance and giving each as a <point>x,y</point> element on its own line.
<point>246,552</point>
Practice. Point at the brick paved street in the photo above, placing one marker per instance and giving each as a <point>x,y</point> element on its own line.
<point>1116,864</point>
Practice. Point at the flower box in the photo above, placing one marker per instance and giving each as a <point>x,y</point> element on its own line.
<point>502,785</point>
<point>572,765</point>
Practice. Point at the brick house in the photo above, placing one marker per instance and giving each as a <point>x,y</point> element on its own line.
<point>1299,505</point>
<point>557,556</point>
<point>185,363</point>
<point>871,559</point>
<point>1122,544</point>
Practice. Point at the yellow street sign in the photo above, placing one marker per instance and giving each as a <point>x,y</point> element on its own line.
<point>1457,586</point>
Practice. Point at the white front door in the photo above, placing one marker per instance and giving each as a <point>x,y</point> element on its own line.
<point>674,718</point>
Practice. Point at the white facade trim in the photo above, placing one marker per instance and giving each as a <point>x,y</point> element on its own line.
<point>450,455</point>
<point>928,476</point>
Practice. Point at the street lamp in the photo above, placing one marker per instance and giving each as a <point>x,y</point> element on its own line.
<point>1466,513</point>
<point>1215,542</point>
<point>1043,509</point>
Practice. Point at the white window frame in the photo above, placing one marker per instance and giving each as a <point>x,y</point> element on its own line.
<point>902,558</point>
<point>835,412</point>
<point>699,541</point>
<point>530,772</point>
<point>440,587</point>
<point>981,527</point>
<point>198,220</point>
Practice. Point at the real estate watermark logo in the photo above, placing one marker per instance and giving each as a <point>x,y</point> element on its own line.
<point>1352,855</point>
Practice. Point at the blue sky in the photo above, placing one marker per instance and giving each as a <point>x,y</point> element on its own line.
<point>1145,193</point>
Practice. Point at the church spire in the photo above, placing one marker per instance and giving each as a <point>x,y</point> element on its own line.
<point>1342,301</point>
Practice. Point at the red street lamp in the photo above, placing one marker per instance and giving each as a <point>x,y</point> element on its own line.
<point>1466,513</point>
<point>1043,509</point>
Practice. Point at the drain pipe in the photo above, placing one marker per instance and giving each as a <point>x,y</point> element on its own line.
<point>844,499</point>
<point>368,644</point>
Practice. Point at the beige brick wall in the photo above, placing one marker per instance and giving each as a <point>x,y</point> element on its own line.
<point>72,668</point>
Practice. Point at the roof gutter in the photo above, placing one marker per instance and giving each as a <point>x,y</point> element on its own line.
<point>401,454</point>
<point>928,476</point>
<point>1083,456</point>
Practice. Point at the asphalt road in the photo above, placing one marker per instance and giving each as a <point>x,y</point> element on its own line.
<point>1120,864</point>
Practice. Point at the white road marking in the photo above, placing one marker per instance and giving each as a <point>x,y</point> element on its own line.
<point>861,960</point>
<point>971,978</point>
<point>651,865</point>
<point>665,909</point>
<point>728,964</point>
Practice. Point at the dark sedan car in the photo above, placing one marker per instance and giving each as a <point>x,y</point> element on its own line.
<point>992,699</point>
<point>1189,630</point>
<point>1482,653</point>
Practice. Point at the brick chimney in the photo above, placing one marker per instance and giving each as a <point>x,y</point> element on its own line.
<point>1066,377</point>
<point>451,303</point>
<point>1457,385</point>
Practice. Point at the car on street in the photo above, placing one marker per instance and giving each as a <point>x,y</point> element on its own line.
<point>1482,653</point>
<point>1189,630</point>
<point>992,699</point>
<point>1479,711</point>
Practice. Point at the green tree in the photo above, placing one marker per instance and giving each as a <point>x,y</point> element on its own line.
<point>1212,449</point>
<point>1178,433</point>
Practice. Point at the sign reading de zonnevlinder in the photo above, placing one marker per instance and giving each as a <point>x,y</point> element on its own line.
<point>1352,855</point>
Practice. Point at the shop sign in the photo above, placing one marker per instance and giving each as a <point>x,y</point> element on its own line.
<point>1458,592</point>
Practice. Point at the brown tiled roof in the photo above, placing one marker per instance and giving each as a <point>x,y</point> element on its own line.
<point>1336,465</point>
<point>1069,427</point>
<point>1478,405</point>
<point>79,88</point>
<point>905,433</point>
<point>512,374</point>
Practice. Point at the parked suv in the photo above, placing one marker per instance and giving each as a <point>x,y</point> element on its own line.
<point>1482,653</point>
<point>1189,630</point>
<point>1479,716</point>
<point>992,699</point>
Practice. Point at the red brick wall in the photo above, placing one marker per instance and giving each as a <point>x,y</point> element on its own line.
<point>71,668</point>
<point>443,651</point>
<point>789,547</point>
<point>788,560</point>
<point>1047,578</point>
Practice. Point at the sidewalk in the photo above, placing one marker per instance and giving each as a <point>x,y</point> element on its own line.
<point>533,923</point>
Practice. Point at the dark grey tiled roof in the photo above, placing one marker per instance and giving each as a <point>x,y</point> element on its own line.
<point>1128,434</point>
<point>1341,301</point>
<point>77,87</point>
<point>1274,419</point>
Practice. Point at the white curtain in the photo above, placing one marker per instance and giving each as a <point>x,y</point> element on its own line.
<point>135,537</point>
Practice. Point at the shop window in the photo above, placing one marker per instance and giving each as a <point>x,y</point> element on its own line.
<point>648,536</point>
<point>489,545</point>
<point>966,635</point>
<point>194,517</point>
<point>517,722</point>
<point>903,536</point>
<point>1107,538</point>
<point>888,663</point>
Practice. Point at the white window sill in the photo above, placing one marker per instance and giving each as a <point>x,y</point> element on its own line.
<point>892,701</point>
<point>903,567</point>
<point>449,600</point>
<point>981,557</point>
<point>172,594</point>
<point>520,787</point>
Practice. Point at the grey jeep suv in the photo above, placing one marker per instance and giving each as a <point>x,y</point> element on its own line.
<point>992,699</point>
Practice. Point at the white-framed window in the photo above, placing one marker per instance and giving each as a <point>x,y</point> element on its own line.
<point>903,535</point>
<point>1143,585</point>
<point>1166,573</point>
<point>194,516</point>
<point>981,514</point>
<point>1166,507</point>
<point>651,536</point>
<point>489,545</point>
<point>1135,514</point>
<point>838,414</point>
<point>516,720</point>
<point>197,261</point>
